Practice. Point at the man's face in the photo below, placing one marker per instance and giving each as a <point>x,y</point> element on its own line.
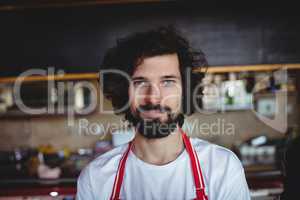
<point>155,91</point>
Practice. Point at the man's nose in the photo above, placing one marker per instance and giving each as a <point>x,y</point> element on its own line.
<point>153,94</point>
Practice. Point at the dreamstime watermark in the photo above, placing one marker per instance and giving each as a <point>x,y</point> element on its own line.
<point>218,127</point>
<point>63,97</point>
<point>68,97</point>
<point>86,127</point>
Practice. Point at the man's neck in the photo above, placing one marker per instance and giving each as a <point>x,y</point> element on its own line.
<point>158,151</point>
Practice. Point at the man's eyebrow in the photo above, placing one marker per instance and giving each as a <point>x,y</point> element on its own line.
<point>138,78</point>
<point>170,77</point>
<point>163,77</point>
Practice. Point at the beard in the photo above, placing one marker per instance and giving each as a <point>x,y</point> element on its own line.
<point>154,128</point>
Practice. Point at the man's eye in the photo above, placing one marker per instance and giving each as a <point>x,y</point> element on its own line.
<point>167,83</point>
<point>140,83</point>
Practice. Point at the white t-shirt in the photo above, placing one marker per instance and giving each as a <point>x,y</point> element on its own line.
<point>223,176</point>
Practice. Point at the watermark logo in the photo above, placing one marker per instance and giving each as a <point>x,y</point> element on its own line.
<point>271,108</point>
<point>70,98</point>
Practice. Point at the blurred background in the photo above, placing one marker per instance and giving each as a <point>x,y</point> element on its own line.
<point>250,98</point>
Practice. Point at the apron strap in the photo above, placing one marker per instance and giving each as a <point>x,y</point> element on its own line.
<point>120,175</point>
<point>196,169</point>
<point>195,164</point>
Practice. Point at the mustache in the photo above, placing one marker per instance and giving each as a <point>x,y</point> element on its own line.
<point>157,107</point>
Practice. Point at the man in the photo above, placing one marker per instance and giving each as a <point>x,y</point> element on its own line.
<point>161,162</point>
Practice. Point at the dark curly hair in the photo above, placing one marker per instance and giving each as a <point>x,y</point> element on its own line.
<point>130,51</point>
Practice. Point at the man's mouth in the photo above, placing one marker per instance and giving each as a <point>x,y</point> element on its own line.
<point>155,113</point>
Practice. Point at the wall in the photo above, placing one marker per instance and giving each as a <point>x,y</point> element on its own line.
<point>224,128</point>
<point>75,39</point>
<point>54,130</point>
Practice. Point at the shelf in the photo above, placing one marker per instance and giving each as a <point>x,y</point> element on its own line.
<point>249,68</point>
<point>210,69</point>
<point>79,76</point>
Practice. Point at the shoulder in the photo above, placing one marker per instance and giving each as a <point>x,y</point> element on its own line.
<point>223,172</point>
<point>109,159</point>
<point>215,155</point>
<point>104,165</point>
<point>98,176</point>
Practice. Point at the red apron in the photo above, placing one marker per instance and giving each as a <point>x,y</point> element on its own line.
<point>197,173</point>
